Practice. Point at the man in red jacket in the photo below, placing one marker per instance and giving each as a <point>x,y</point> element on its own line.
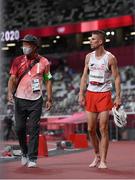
<point>28,96</point>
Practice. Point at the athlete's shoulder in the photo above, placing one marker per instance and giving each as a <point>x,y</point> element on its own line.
<point>89,54</point>
<point>88,57</point>
<point>112,59</point>
<point>110,55</point>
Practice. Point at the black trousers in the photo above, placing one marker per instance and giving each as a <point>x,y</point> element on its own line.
<point>25,109</point>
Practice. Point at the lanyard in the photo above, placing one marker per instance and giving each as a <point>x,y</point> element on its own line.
<point>37,70</point>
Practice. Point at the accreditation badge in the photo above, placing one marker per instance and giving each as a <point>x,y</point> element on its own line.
<point>35,85</point>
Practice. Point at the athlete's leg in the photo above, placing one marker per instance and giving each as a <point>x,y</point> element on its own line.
<point>103,125</point>
<point>92,117</point>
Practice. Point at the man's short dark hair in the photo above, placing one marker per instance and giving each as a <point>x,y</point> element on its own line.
<point>101,34</point>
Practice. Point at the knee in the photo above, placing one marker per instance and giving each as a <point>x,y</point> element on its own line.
<point>104,131</point>
<point>92,131</point>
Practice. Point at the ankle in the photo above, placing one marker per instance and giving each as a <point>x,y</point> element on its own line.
<point>103,161</point>
<point>102,165</point>
<point>97,156</point>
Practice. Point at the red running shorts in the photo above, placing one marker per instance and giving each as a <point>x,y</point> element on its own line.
<point>98,101</point>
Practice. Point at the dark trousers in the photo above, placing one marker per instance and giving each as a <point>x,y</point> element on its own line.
<point>25,109</point>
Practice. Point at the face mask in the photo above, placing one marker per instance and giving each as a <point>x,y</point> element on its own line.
<point>27,50</point>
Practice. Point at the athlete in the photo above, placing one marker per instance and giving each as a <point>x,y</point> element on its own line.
<point>100,67</point>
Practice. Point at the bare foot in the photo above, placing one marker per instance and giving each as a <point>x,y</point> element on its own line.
<point>102,165</point>
<point>95,162</point>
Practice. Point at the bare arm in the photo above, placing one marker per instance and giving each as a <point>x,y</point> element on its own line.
<point>84,81</point>
<point>84,76</point>
<point>116,75</point>
<point>11,87</point>
<point>49,90</point>
<point>49,94</point>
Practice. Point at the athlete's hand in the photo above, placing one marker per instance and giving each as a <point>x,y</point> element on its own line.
<point>117,102</point>
<point>48,105</point>
<point>81,99</point>
<point>10,97</point>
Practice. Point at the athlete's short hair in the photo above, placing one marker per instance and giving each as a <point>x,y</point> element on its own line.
<point>101,34</point>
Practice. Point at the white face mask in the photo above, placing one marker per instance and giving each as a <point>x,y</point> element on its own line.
<point>27,50</point>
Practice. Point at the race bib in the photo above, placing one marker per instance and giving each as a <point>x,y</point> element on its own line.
<point>35,85</point>
<point>97,74</point>
<point>98,77</point>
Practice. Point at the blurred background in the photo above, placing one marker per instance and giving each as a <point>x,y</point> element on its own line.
<point>64,28</point>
